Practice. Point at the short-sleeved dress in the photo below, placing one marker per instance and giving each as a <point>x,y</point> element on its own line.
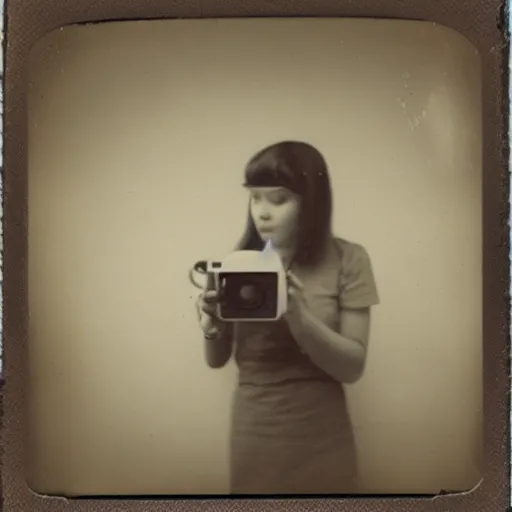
<point>291,432</point>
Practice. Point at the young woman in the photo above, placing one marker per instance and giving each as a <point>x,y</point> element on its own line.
<point>291,431</point>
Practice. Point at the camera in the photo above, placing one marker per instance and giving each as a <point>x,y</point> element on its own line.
<point>251,285</point>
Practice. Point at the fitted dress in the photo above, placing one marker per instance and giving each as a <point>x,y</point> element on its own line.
<point>290,430</point>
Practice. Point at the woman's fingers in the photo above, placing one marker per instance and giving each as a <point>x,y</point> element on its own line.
<point>209,309</point>
<point>210,296</point>
<point>208,302</point>
<point>294,280</point>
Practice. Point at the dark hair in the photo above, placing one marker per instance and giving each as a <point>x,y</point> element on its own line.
<point>301,168</point>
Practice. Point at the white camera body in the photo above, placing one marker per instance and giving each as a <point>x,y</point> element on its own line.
<point>252,286</point>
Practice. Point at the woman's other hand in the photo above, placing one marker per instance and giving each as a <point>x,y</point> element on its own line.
<point>297,303</point>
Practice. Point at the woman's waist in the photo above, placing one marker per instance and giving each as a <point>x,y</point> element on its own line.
<point>284,379</point>
<point>261,372</point>
<point>290,388</point>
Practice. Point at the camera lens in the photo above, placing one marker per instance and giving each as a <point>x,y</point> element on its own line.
<point>251,295</point>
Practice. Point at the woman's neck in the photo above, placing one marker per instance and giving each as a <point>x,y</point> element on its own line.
<point>286,254</point>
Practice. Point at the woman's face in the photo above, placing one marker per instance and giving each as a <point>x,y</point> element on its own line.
<point>275,213</point>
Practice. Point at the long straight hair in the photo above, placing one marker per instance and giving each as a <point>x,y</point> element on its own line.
<point>301,168</point>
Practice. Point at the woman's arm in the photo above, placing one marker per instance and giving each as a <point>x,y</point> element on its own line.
<point>219,346</point>
<point>342,354</point>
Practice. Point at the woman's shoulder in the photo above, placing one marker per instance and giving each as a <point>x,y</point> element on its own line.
<point>350,252</point>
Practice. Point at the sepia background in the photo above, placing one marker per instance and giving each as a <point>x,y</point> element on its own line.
<point>139,132</point>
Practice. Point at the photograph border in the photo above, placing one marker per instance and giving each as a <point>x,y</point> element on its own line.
<point>482,22</point>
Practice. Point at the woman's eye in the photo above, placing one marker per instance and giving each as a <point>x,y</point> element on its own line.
<point>280,199</point>
<point>275,199</point>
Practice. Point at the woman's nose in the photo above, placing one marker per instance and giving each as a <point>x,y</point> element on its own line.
<point>261,211</point>
<point>264,214</point>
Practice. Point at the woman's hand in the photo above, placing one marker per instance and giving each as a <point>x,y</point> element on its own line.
<point>206,307</point>
<point>297,303</point>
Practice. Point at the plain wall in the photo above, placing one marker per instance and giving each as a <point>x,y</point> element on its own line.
<point>139,132</point>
